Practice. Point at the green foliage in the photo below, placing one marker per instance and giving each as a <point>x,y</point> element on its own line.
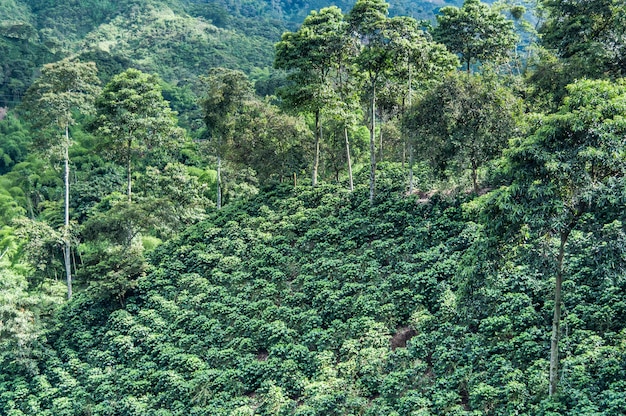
<point>299,301</point>
<point>588,35</point>
<point>476,32</point>
<point>21,58</point>
<point>14,139</point>
<point>565,177</point>
<point>465,120</point>
<point>64,87</point>
<point>133,120</point>
<point>280,142</point>
<point>22,314</point>
<point>40,247</point>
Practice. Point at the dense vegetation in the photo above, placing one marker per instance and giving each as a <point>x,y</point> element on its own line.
<point>368,215</point>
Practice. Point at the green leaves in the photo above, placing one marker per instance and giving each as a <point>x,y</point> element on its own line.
<point>63,87</point>
<point>589,36</point>
<point>225,92</point>
<point>476,32</point>
<point>133,119</point>
<point>462,123</point>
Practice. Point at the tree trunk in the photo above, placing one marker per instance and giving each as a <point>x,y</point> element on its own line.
<point>373,145</point>
<point>380,140</point>
<point>556,319</point>
<point>66,232</point>
<point>345,133</point>
<point>129,172</point>
<point>475,176</point>
<point>411,180</point>
<point>316,160</point>
<point>219,182</point>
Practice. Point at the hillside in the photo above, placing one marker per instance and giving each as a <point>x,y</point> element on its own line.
<point>370,216</point>
<point>308,302</point>
<point>177,39</point>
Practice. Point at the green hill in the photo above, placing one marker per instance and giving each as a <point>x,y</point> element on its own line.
<point>309,302</point>
<point>178,39</point>
<point>388,235</point>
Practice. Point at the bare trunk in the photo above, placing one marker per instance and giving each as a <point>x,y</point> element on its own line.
<point>411,180</point>
<point>556,319</point>
<point>66,231</point>
<point>219,182</point>
<point>475,176</point>
<point>380,141</point>
<point>316,160</point>
<point>129,172</point>
<point>345,133</point>
<point>373,145</point>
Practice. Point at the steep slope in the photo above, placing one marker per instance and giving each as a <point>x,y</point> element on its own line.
<point>177,46</point>
<point>309,302</point>
<point>179,39</point>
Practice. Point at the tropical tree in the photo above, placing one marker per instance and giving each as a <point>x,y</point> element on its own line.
<point>367,23</point>
<point>312,54</point>
<point>566,176</point>
<point>225,93</point>
<point>64,88</point>
<point>476,31</point>
<point>270,141</point>
<point>133,119</point>
<point>589,35</point>
<point>389,50</point>
<point>466,119</point>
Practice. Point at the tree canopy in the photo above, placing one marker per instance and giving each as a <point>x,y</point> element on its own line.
<point>476,32</point>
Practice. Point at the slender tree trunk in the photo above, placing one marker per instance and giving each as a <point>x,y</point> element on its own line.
<point>411,180</point>
<point>345,133</point>
<point>316,160</point>
<point>129,172</point>
<point>66,231</point>
<point>373,145</point>
<point>219,182</point>
<point>475,176</point>
<point>556,319</point>
<point>380,140</point>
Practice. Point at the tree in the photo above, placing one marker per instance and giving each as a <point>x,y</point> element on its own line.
<point>269,141</point>
<point>312,53</point>
<point>367,23</point>
<point>568,175</point>
<point>476,32</point>
<point>64,88</point>
<point>417,63</point>
<point>589,35</point>
<point>133,119</point>
<point>385,46</point>
<point>225,92</point>
<point>467,119</point>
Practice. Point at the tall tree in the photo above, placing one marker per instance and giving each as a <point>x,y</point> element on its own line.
<point>133,118</point>
<point>385,45</point>
<point>311,54</point>
<point>589,35</point>
<point>475,31</point>
<point>418,62</point>
<point>64,88</point>
<point>568,175</point>
<point>225,93</point>
<point>269,141</point>
<point>466,119</point>
<point>367,23</point>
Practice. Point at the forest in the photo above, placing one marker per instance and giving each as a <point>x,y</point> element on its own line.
<point>226,207</point>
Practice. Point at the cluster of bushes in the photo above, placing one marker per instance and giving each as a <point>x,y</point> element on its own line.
<point>308,302</point>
